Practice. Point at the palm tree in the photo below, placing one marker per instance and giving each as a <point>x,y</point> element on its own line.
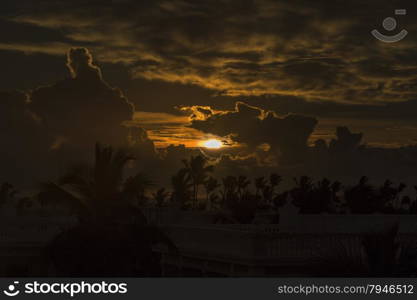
<point>260,184</point>
<point>135,188</point>
<point>274,181</point>
<point>229,187</point>
<point>242,184</point>
<point>197,169</point>
<point>160,197</point>
<point>241,209</point>
<point>99,192</point>
<point>181,185</point>
<point>389,197</point>
<point>361,198</point>
<point>113,236</point>
<point>302,195</point>
<point>7,192</point>
<point>210,185</point>
<point>322,196</point>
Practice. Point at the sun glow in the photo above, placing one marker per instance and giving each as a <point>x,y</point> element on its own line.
<point>213,144</point>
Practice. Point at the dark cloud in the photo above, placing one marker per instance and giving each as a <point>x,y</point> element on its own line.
<point>320,51</point>
<point>346,158</point>
<point>253,126</point>
<point>80,64</point>
<point>83,109</point>
<point>21,138</point>
<point>345,140</point>
<point>52,126</point>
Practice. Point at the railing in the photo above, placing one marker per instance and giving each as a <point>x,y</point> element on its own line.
<point>224,241</point>
<point>31,229</point>
<point>232,242</point>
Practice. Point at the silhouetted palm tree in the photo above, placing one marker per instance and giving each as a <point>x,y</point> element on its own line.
<point>316,198</point>
<point>197,169</point>
<point>267,189</point>
<point>335,188</point>
<point>135,188</point>
<point>323,195</point>
<point>260,184</point>
<point>280,200</point>
<point>242,183</point>
<point>229,184</point>
<point>274,181</point>
<point>302,195</point>
<point>181,188</point>
<point>100,191</point>
<point>267,195</point>
<point>242,209</point>
<point>389,197</point>
<point>7,192</point>
<point>113,237</point>
<point>160,197</point>
<point>210,185</point>
<point>361,198</point>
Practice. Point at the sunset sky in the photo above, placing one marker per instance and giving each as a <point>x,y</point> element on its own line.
<point>249,74</point>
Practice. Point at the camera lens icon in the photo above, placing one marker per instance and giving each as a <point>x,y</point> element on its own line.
<point>12,290</point>
<point>390,24</point>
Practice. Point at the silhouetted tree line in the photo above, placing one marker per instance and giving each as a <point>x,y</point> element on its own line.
<point>243,196</point>
<point>195,187</point>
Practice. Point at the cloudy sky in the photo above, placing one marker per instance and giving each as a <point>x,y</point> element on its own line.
<point>249,73</point>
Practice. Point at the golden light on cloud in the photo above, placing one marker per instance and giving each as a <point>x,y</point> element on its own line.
<point>213,144</point>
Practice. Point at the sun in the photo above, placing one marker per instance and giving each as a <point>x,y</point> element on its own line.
<point>213,144</point>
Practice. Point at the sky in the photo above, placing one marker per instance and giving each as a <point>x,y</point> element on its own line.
<point>270,79</point>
